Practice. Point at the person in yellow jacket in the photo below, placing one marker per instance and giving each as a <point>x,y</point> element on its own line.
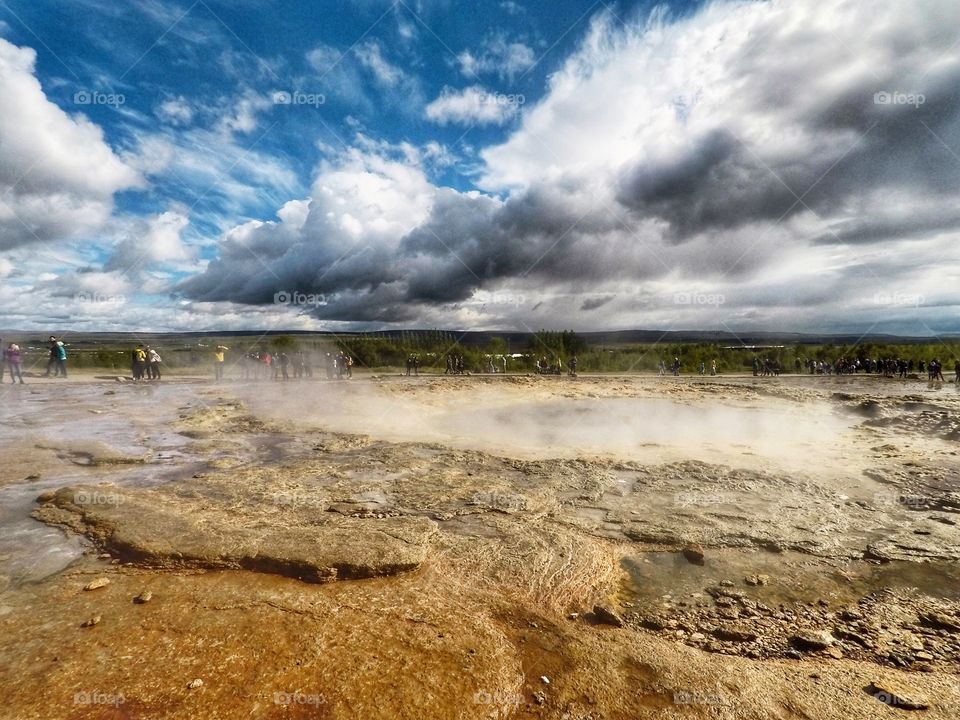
<point>138,362</point>
<point>219,357</point>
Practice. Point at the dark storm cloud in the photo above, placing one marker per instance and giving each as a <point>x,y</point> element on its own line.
<point>795,152</point>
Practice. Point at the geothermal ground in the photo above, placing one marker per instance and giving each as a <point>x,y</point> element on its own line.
<point>495,547</point>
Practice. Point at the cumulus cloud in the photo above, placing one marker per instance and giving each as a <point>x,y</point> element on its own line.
<point>57,174</point>
<point>769,154</point>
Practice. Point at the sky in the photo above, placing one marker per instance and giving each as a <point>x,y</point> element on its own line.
<point>737,165</point>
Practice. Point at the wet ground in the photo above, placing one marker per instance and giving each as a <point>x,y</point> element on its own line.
<point>712,518</point>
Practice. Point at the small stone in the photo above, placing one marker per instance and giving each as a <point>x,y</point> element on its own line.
<point>46,496</point>
<point>544,679</point>
<point>694,554</point>
<point>812,640</point>
<point>95,620</point>
<point>96,584</point>
<point>539,698</point>
<point>606,615</point>
<point>143,598</point>
<point>726,583</point>
<point>835,652</point>
<point>194,684</point>
<point>940,621</point>
<point>573,616</point>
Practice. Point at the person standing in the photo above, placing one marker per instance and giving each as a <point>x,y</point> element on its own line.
<point>61,358</point>
<point>713,367</point>
<point>219,358</point>
<point>139,362</point>
<point>153,363</point>
<point>13,359</point>
<point>52,358</point>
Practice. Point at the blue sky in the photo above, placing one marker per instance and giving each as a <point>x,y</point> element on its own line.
<point>180,165</point>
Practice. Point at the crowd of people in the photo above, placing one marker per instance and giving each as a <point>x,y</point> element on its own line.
<point>888,367</point>
<point>145,365</point>
<point>264,365</point>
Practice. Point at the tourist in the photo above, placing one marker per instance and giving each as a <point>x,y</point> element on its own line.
<point>219,358</point>
<point>52,361</point>
<point>153,363</point>
<point>138,362</point>
<point>12,357</point>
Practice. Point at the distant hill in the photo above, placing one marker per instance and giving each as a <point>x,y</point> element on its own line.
<point>480,338</point>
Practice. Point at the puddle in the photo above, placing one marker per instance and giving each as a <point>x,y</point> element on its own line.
<point>659,577</point>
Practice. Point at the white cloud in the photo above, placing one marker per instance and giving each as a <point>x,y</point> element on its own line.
<point>370,55</point>
<point>57,174</point>
<point>472,106</point>
<point>177,111</point>
<point>667,157</point>
<point>498,56</point>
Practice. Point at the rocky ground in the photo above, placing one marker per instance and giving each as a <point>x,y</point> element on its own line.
<point>280,564</point>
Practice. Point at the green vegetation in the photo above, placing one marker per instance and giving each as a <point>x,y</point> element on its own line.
<point>382,352</point>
